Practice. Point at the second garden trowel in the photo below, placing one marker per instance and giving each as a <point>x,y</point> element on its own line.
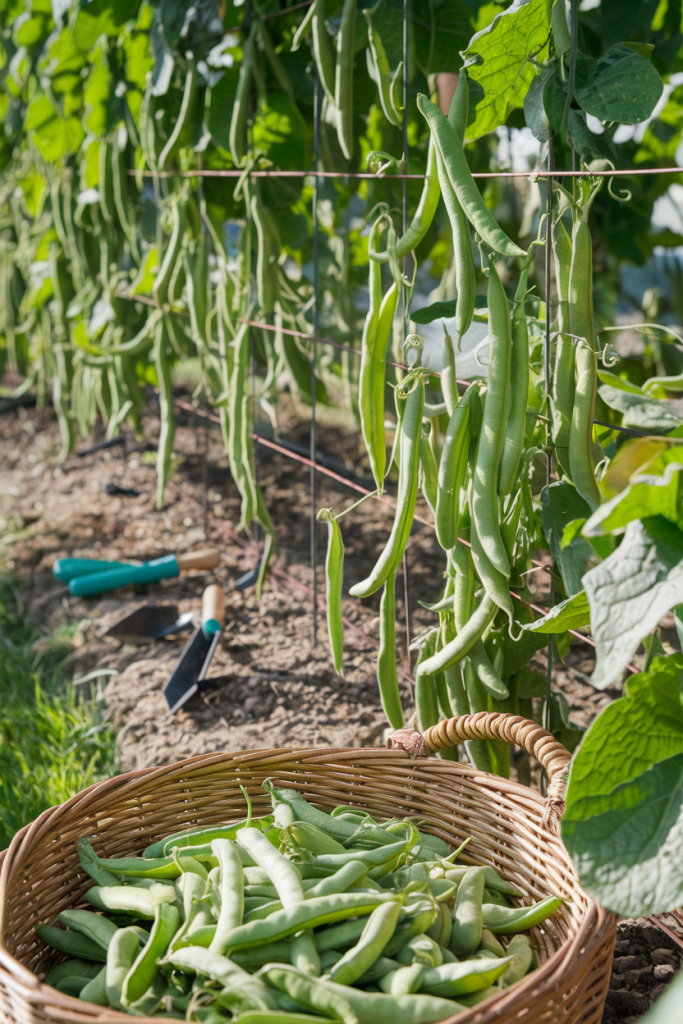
<point>150,622</point>
<point>197,653</point>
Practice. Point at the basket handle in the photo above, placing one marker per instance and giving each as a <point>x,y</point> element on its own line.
<point>494,726</point>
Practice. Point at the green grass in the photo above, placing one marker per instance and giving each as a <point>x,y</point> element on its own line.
<point>53,742</point>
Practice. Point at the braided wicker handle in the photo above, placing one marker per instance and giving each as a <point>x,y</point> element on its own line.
<point>494,726</point>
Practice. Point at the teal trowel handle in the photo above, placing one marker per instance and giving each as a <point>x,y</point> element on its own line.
<point>66,569</point>
<point>148,572</point>
<point>111,579</point>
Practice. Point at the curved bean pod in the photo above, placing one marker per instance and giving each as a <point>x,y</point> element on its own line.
<point>564,383</point>
<point>515,428</point>
<point>185,114</point>
<point>343,78</point>
<point>461,180</point>
<point>323,50</point>
<point>465,281</point>
<point>334,571</point>
<point>463,642</point>
<point>581,435</point>
<point>485,513</point>
<point>452,471</point>
<point>409,464</point>
<point>387,677</point>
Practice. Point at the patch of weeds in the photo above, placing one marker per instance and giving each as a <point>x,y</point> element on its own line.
<point>53,740</point>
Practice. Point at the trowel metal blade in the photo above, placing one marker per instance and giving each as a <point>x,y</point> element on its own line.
<point>191,669</point>
<point>150,622</point>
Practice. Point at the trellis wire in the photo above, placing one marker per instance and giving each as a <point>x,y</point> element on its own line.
<point>533,174</point>
<point>386,500</point>
<point>316,147</point>
<point>403,291</point>
<point>547,354</point>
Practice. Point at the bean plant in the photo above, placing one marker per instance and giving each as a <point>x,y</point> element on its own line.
<point>118,262</point>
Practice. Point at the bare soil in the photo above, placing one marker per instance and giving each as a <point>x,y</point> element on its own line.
<point>271,683</point>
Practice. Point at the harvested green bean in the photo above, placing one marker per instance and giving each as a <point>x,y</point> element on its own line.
<point>467,915</point>
<point>509,920</point>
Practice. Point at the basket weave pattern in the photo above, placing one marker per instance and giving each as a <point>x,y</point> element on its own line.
<point>510,826</point>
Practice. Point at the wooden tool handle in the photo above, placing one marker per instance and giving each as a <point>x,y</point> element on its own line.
<point>213,604</point>
<point>207,558</point>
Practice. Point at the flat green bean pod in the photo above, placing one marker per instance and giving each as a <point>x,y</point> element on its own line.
<point>387,675</point>
<point>460,177</point>
<point>509,920</point>
<point>334,571</point>
<point>409,464</point>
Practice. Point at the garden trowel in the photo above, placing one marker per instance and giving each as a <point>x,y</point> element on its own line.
<point>112,577</point>
<point>150,622</point>
<point>197,653</point>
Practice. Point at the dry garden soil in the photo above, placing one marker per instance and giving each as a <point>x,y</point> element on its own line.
<point>270,684</point>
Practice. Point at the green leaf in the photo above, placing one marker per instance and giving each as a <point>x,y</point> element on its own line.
<point>105,108</point>
<point>630,591</point>
<point>534,109</point>
<point>562,504</point>
<point>622,86</point>
<point>651,414</point>
<point>279,130</point>
<point>440,29</point>
<point>570,614</point>
<point>497,58</point>
<point>623,824</point>
<point>443,310</point>
<point>648,494</point>
<point>101,17</point>
<point>605,377</point>
<point>54,135</point>
<point>667,1007</point>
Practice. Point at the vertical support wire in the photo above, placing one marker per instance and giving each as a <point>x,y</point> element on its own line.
<point>405,302</point>
<point>316,285</point>
<point>548,385</point>
<point>574,10</point>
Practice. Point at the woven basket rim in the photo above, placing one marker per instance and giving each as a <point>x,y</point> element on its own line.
<point>594,921</point>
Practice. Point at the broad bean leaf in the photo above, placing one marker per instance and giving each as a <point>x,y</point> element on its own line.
<point>640,412</point>
<point>630,591</point>
<point>497,59</point>
<point>562,504</point>
<point>648,494</point>
<point>621,86</point>
<point>570,614</point>
<point>623,825</point>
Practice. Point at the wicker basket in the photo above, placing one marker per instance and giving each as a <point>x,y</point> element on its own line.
<point>512,827</point>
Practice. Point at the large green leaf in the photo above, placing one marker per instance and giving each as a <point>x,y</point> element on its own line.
<point>497,59</point>
<point>562,504</point>
<point>651,414</point>
<point>54,135</point>
<point>101,17</point>
<point>570,614</point>
<point>622,86</point>
<point>279,130</point>
<point>623,825</point>
<point>631,591</point>
<point>655,493</point>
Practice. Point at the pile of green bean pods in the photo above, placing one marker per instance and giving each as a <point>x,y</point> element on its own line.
<point>472,454</point>
<point>294,917</point>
